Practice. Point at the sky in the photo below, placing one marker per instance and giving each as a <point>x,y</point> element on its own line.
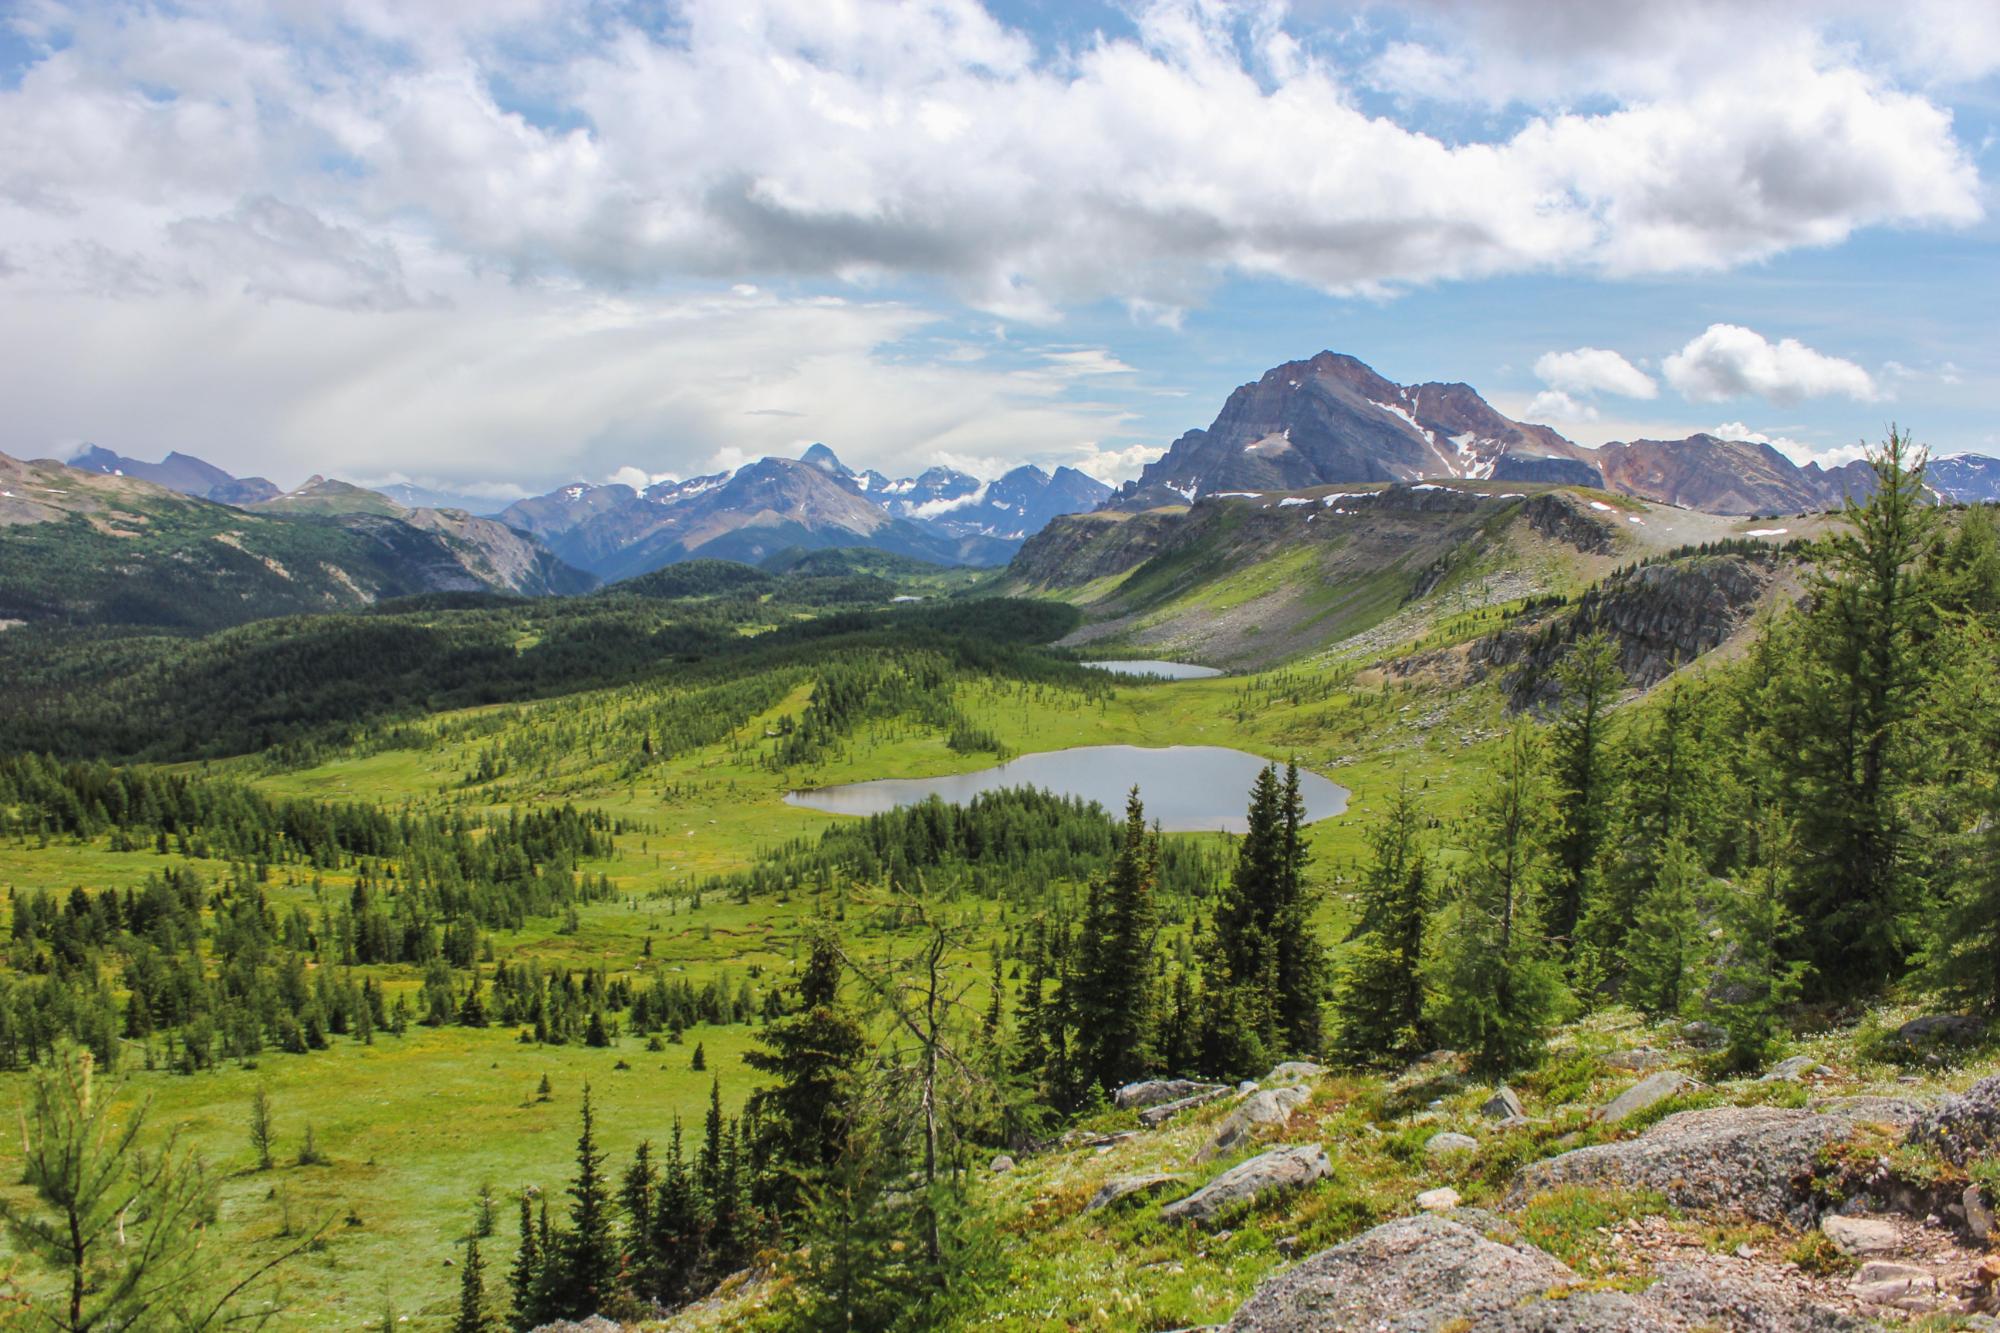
<point>496,246</point>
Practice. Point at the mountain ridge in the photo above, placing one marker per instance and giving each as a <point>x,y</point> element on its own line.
<point>1331,419</point>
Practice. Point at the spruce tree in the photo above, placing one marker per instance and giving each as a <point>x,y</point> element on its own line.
<point>1303,973</point>
<point>1116,1018</point>
<point>262,1135</point>
<point>524,1279</point>
<point>1589,679</point>
<point>1495,989</point>
<point>1379,993</point>
<point>803,1118</point>
<point>638,1199</point>
<point>1665,948</point>
<point>584,1269</point>
<point>1671,775</point>
<point>471,1293</point>
<point>679,1231</point>
<point>1758,977</point>
<point>1844,686</point>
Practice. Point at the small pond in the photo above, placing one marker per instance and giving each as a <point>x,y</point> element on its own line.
<point>1187,788</point>
<point>1162,670</point>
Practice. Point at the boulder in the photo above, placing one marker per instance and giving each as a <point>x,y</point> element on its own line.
<point>1978,1214</point>
<point>1424,1273</point>
<point>1504,1104</point>
<point>1120,1188</point>
<point>1152,1092</point>
<point>1441,1200</point>
<point>1939,1030</point>
<point>1639,1060</point>
<point>1897,1287</point>
<point>1648,1091</point>
<point>1964,1124</point>
<point>1154,1116</point>
<point>1901,1112</point>
<point>1247,1182</point>
<point>1704,1036</point>
<point>1271,1107</point>
<point>1293,1071</point>
<point>1757,1160</point>
<point>1002,1164</point>
<point>1861,1237</point>
<point>1793,1069</point>
<point>1448,1143</point>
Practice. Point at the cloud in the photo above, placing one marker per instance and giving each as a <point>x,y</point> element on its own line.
<point>1114,466</point>
<point>862,144</point>
<point>1594,370</point>
<point>1080,361</point>
<point>510,383</point>
<point>277,251</point>
<point>1729,361</point>
<point>1556,405</point>
<point>638,478</point>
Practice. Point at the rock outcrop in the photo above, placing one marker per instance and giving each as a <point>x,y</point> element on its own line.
<point>1659,616</point>
<point>1756,1160</point>
<point>1153,1092</point>
<point>1648,1092</point>
<point>1279,1170</point>
<point>1432,1273</point>
<point>1963,1124</point>
<point>1267,1109</point>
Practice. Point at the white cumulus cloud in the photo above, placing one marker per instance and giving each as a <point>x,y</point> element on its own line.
<point>1556,405</point>
<point>1729,361</point>
<point>1594,370</point>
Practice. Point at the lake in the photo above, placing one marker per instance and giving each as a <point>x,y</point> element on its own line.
<point>1163,670</point>
<point>1187,788</point>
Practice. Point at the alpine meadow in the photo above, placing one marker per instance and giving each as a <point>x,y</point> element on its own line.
<point>631,699</point>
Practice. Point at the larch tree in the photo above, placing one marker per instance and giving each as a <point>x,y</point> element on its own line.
<point>1492,985</point>
<point>1589,680</point>
<point>1378,992</point>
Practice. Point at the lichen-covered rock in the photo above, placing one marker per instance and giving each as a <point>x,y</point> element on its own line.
<point>1120,1188</point>
<point>1504,1104</point>
<point>1745,1305</point>
<point>1638,1060</point>
<point>1245,1183</point>
<point>1440,1200</point>
<point>1270,1108</point>
<point>1964,1124</point>
<point>1433,1273</point>
<point>1446,1143</point>
<point>1293,1071</point>
<point>1875,1110</point>
<point>1758,1160</point>
<point>1938,1030</point>
<point>1153,1092</point>
<point>1648,1091</point>
<point>1861,1237</point>
<point>1422,1274</point>
<point>1154,1116</point>
<point>1794,1069</point>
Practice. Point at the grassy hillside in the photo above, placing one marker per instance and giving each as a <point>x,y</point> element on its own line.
<point>86,550</point>
<point>1255,580</point>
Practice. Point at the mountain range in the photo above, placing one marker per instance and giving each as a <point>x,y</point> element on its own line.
<point>813,501</point>
<point>87,546</point>
<point>750,514</point>
<point>1331,419</point>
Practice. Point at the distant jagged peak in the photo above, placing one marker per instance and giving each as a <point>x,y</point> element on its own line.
<point>823,458</point>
